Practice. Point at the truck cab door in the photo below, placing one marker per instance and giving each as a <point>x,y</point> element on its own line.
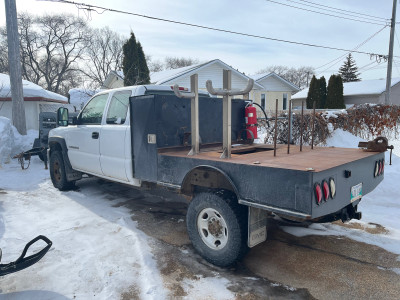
<point>83,142</point>
<point>114,152</point>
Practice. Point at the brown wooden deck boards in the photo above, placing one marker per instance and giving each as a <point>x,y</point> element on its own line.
<point>319,159</point>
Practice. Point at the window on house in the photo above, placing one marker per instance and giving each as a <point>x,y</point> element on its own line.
<point>263,101</point>
<point>284,101</point>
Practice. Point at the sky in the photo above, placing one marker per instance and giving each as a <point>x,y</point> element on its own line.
<point>257,17</point>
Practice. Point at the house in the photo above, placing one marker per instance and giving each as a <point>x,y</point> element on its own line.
<point>114,79</point>
<point>360,92</point>
<point>36,100</point>
<point>274,87</point>
<point>266,86</point>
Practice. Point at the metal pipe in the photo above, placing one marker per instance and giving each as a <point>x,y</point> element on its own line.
<point>276,126</point>
<point>290,126</point>
<point>313,126</point>
<point>302,126</point>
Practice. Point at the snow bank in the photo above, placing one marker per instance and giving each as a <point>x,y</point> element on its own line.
<point>11,142</point>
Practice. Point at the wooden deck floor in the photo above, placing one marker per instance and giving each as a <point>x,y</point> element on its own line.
<point>316,160</point>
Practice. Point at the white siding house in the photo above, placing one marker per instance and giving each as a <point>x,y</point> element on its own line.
<point>274,87</point>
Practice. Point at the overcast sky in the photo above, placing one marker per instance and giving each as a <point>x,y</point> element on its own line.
<point>257,17</point>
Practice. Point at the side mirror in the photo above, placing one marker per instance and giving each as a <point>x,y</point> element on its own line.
<point>62,116</point>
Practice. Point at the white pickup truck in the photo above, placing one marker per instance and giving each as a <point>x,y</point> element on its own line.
<point>141,134</point>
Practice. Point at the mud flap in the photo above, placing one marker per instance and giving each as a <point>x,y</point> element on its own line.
<point>257,228</point>
<point>24,262</point>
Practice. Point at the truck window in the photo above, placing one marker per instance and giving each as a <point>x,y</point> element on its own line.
<point>93,111</point>
<point>118,107</point>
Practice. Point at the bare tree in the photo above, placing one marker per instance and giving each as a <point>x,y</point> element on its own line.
<point>154,65</point>
<point>52,46</point>
<point>297,76</point>
<point>3,52</point>
<point>176,62</point>
<point>102,55</point>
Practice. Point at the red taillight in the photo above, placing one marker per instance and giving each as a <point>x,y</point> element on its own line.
<point>180,88</point>
<point>325,188</point>
<point>380,167</point>
<point>383,166</point>
<point>318,193</point>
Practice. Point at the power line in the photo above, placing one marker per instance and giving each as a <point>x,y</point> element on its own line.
<point>355,48</point>
<point>93,7</point>
<point>321,13</point>
<point>345,10</point>
<point>336,12</point>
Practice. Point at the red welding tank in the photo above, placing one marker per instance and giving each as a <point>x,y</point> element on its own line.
<point>251,121</point>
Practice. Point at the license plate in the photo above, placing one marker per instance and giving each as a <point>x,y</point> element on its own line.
<point>356,192</point>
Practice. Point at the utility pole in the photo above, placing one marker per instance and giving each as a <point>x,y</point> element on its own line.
<point>14,62</point>
<point>390,59</point>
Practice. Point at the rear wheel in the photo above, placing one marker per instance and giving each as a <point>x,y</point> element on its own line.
<point>217,226</point>
<point>57,172</point>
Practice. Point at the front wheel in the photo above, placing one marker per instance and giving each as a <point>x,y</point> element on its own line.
<point>57,172</point>
<point>217,227</point>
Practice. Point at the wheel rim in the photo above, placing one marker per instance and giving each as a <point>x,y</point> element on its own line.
<point>57,171</point>
<point>212,228</point>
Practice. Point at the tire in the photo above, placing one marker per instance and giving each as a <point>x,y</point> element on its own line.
<point>217,227</point>
<point>57,172</point>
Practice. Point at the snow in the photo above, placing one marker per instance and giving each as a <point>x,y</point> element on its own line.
<point>29,89</point>
<point>11,142</point>
<point>79,96</point>
<point>364,87</point>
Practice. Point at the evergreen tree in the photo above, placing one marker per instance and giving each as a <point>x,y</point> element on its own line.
<point>143,68</point>
<point>349,71</point>
<point>322,93</point>
<point>335,97</point>
<point>311,96</point>
<point>134,64</point>
<point>317,93</point>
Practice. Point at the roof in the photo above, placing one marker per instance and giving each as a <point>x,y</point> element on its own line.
<point>163,77</point>
<point>364,87</point>
<point>31,91</point>
<point>260,77</point>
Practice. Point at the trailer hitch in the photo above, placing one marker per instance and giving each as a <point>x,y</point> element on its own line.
<point>26,156</point>
<point>380,144</point>
<point>24,262</point>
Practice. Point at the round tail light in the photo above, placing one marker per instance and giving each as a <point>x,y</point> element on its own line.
<point>332,187</point>
<point>318,193</point>
<point>325,190</point>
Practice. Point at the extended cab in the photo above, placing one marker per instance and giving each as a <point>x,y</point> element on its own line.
<point>141,134</point>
